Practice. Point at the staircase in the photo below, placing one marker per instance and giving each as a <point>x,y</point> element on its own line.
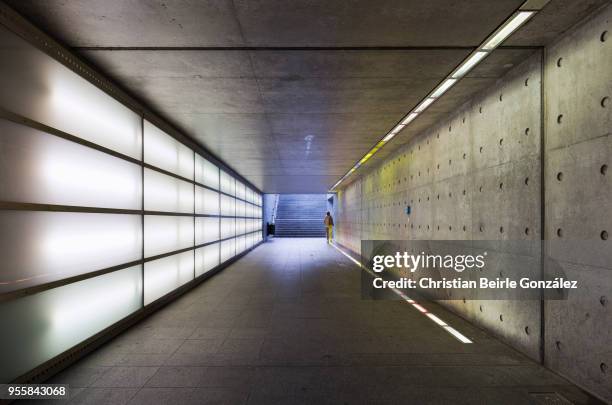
<point>301,216</point>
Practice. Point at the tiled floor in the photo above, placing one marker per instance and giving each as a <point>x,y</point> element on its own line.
<point>286,325</point>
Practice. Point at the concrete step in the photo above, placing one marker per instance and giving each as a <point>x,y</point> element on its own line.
<point>301,215</point>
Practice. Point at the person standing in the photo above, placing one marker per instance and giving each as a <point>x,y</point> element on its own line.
<point>329,224</point>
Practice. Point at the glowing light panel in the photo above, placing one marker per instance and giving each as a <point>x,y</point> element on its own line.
<point>46,324</point>
<point>206,172</point>
<point>240,244</point>
<point>228,205</point>
<point>228,184</point>
<point>207,258</point>
<point>228,227</point>
<point>228,249</point>
<point>39,87</point>
<point>163,151</point>
<point>164,275</point>
<point>240,208</point>
<point>207,230</point>
<point>206,201</point>
<point>164,234</point>
<point>46,246</point>
<point>46,169</point>
<point>240,190</point>
<point>240,226</point>
<point>166,193</point>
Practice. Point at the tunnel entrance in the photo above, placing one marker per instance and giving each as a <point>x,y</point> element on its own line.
<point>301,216</point>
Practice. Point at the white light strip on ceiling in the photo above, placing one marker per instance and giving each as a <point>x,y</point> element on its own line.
<point>398,128</point>
<point>505,31</point>
<point>389,136</point>
<point>510,26</point>
<point>469,64</point>
<point>447,84</point>
<point>393,132</point>
<point>409,118</point>
<point>423,106</point>
<point>420,308</point>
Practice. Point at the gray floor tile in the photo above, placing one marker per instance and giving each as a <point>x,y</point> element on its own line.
<point>219,377</point>
<point>286,325</point>
<point>79,376</point>
<point>125,377</point>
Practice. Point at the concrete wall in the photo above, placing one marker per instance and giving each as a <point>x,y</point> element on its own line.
<point>578,87</point>
<point>477,176</point>
<point>450,176</point>
<point>348,217</point>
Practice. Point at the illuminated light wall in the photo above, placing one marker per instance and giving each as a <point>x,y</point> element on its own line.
<point>102,212</point>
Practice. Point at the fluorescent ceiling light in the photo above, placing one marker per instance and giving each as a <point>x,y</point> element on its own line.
<point>409,118</point>
<point>469,64</point>
<point>389,136</point>
<point>365,158</point>
<point>398,128</point>
<point>528,10</point>
<point>393,132</point>
<point>424,105</point>
<point>448,83</point>
<point>519,19</point>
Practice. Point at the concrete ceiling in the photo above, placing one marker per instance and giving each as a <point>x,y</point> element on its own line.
<point>291,94</point>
